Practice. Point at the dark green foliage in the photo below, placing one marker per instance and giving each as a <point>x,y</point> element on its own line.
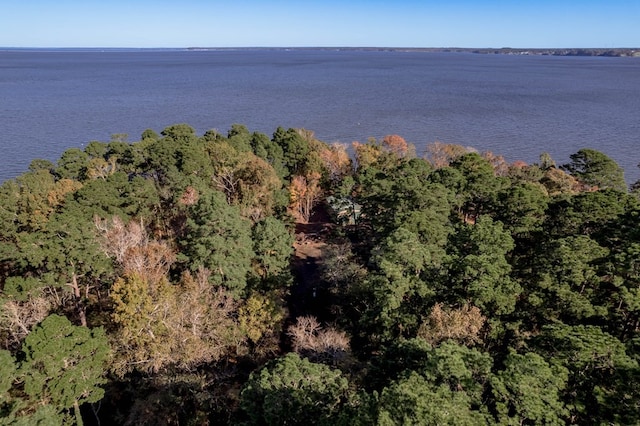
<point>478,187</point>
<point>269,151</point>
<point>521,208</point>
<point>64,363</point>
<point>8,373</point>
<point>461,369</point>
<point>469,293</point>
<point>39,164</point>
<point>273,247</point>
<point>21,288</point>
<point>218,238</point>
<point>95,149</point>
<point>529,390</point>
<point>417,401</point>
<point>587,213</point>
<point>596,169</point>
<point>293,390</point>
<point>599,370</point>
<point>396,360</point>
<point>478,268</point>
<point>404,196</point>
<point>567,284</point>
<point>72,164</point>
<point>61,367</point>
<point>239,138</point>
<point>149,134</point>
<point>400,291</point>
<point>295,150</point>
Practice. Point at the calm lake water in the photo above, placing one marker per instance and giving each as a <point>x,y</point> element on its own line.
<point>517,106</point>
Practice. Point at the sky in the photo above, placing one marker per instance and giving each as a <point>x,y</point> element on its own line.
<point>331,23</point>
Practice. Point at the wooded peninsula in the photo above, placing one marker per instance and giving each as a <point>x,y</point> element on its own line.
<point>241,278</point>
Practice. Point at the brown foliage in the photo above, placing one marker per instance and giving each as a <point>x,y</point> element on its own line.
<point>257,184</point>
<point>100,168</point>
<point>366,154</point>
<point>498,163</point>
<point>557,182</point>
<point>163,325</point>
<point>398,146</point>
<point>204,325</point>
<point>304,194</point>
<point>519,164</point>
<point>442,154</point>
<point>310,339</point>
<point>18,318</point>
<point>132,249</point>
<point>189,197</point>
<point>336,160</point>
<point>56,196</point>
<point>463,324</point>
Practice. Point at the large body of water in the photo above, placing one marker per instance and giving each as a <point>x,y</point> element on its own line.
<point>517,106</point>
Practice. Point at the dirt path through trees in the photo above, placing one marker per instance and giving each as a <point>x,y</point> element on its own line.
<point>311,238</point>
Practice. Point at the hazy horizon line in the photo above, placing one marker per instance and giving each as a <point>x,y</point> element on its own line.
<point>313,47</point>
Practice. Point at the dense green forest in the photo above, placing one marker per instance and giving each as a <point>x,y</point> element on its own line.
<point>247,279</point>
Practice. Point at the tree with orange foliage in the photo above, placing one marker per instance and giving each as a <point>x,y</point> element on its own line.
<point>442,154</point>
<point>336,160</point>
<point>499,164</point>
<point>366,153</point>
<point>304,194</point>
<point>397,145</point>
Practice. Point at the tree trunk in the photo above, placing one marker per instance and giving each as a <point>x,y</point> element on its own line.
<point>76,411</point>
<point>79,305</point>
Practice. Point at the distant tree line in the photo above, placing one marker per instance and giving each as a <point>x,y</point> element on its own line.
<point>156,282</point>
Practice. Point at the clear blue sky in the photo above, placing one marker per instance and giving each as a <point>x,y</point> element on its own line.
<point>390,23</point>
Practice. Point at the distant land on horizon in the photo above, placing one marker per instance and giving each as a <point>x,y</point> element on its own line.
<point>609,52</point>
<point>596,51</point>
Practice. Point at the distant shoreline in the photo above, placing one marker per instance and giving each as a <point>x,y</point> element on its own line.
<point>608,52</point>
<point>604,52</point>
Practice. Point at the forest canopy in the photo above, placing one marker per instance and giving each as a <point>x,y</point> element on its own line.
<point>242,278</point>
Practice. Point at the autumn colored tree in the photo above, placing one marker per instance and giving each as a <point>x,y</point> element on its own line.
<point>260,318</point>
<point>337,162</point>
<point>132,248</point>
<point>319,344</point>
<point>366,154</point>
<point>499,164</point>
<point>398,146</point>
<point>160,325</point>
<point>465,291</point>
<point>462,324</point>
<point>259,189</point>
<point>18,317</point>
<point>442,154</point>
<point>305,193</point>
